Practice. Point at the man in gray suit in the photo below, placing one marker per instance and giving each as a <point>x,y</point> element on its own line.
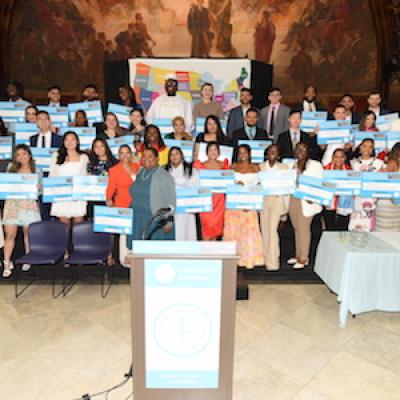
<point>275,116</point>
<point>237,114</point>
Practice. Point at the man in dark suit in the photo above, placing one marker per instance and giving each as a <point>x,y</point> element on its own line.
<point>54,95</point>
<point>347,101</point>
<point>310,102</point>
<point>237,114</point>
<point>274,117</point>
<point>45,138</point>
<point>250,130</point>
<point>288,140</point>
<point>374,104</point>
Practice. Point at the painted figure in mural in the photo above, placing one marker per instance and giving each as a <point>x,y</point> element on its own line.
<point>199,28</point>
<point>264,37</point>
<point>96,59</point>
<point>123,48</point>
<point>143,37</point>
<point>220,15</point>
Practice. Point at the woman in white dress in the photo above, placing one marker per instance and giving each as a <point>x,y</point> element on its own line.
<point>69,161</point>
<point>184,176</point>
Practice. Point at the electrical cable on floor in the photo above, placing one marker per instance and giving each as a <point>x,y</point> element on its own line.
<point>106,392</point>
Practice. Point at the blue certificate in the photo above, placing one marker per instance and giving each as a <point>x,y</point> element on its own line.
<point>42,157</point>
<point>92,109</point>
<point>113,220</point>
<point>391,139</point>
<point>86,135</point>
<point>247,197</point>
<point>226,153</point>
<point>122,112</point>
<point>379,138</point>
<point>257,149</point>
<point>18,186</point>
<point>89,187</point>
<point>315,190</point>
<point>346,182</point>
<point>217,180</point>
<point>383,122</point>
<point>193,200</point>
<point>381,185</point>
<point>311,120</point>
<point>6,147</point>
<point>115,143</point>
<point>13,111</point>
<point>58,115</point>
<point>24,131</point>
<point>200,125</point>
<point>185,145</point>
<point>334,132</point>
<point>165,125</point>
<point>278,182</point>
<point>58,188</point>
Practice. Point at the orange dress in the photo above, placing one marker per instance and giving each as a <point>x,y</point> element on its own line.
<point>212,223</point>
<point>119,183</point>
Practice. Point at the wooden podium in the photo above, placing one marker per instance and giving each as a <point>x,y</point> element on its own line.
<point>183,319</point>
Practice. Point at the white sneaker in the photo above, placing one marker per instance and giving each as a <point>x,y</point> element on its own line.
<point>292,261</point>
<point>26,267</point>
<point>297,265</point>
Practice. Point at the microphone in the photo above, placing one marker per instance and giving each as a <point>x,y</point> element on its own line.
<point>165,212</point>
<point>162,215</point>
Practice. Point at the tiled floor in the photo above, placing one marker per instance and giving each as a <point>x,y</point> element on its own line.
<point>288,346</point>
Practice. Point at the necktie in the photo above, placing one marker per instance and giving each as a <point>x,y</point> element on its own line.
<point>309,107</point>
<point>272,122</point>
<point>43,141</point>
<point>295,139</point>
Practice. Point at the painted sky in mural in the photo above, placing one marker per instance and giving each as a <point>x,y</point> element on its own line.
<point>327,42</point>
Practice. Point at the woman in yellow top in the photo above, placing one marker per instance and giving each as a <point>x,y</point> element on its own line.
<point>153,139</point>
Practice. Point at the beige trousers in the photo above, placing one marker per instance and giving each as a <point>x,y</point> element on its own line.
<point>270,218</point>
<point>302,229</point>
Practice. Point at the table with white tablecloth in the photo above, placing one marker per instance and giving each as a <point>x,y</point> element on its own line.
<point>362,269</point>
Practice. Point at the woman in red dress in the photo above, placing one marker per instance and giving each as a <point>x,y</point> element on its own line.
<point>212,223</point>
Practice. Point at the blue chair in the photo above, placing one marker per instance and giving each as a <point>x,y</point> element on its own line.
<point>48,241</point>
<point>91,248</point>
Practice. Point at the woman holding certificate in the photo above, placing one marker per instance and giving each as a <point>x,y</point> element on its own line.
<point>212,133</point>
<point>212,223</point>
<point>152,193</point>
<point>153,139</point>
<point>69,160</point>
<point>274,208</point>
<point>363,216</point>
<point>184,176</point>
<point>18,213</point>
<point>242,225</point>
<point>179,133</point>
<point>301,212</point>
<point>111,128</point>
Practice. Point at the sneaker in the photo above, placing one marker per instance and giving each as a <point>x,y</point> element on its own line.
<point>297,265</point>
<point>292,261</point>
<point>26,267</point>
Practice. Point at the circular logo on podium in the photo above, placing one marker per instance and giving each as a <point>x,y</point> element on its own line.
<point>182,330</point>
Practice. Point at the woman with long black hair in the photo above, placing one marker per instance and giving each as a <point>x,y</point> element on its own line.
<point>69,160</point>
<point>184,176</point>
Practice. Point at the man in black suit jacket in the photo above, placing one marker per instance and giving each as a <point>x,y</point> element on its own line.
<point>250,130</point>
<point>347,101</point>
<point>45,138</point>
<point>287,140</point>
<point>374,104</point>
<point>54,95</point>
<point>310,102</point>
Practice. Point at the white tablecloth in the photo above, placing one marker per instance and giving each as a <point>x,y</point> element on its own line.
<point>364,278</point>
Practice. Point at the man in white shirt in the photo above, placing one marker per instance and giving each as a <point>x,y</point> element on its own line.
<point>45,138</point>
<point>54,95</point>
<point>170,105</point>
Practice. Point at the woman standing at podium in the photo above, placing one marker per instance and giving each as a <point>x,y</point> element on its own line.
<point>153,191</point>
<point>242,225</point>
<point>212,223</point>
<point>185,176</point>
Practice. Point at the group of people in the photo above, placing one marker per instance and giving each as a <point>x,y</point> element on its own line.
<point>146,174</point>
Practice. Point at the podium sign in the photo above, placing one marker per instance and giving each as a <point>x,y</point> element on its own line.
<point>183,311</point>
